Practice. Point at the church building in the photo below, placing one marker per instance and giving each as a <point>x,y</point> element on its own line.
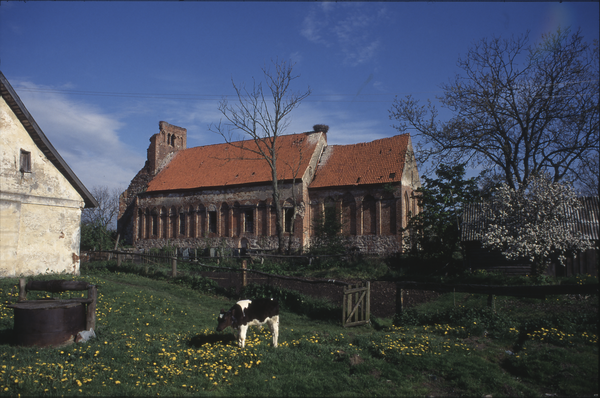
<point>221,195</point>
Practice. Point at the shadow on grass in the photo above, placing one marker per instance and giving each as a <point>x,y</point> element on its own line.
<point>201,339</point>
<point>8,337</point>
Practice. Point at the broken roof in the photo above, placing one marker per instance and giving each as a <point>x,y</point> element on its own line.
<point>236,163</point>
<point>376,162</point>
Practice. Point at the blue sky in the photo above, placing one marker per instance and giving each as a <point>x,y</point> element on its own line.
<point>99,76</point>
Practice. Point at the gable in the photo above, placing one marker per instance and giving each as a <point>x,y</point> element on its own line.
<point>19,120</point>
<point>235,164</point>
<point>376,162</point>
<point>41,179</point>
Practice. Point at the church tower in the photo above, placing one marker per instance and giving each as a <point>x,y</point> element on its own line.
<point>164,145</point>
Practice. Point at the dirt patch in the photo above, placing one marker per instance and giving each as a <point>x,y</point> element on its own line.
<point>356,360</point>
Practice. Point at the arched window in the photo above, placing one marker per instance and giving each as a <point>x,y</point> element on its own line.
<point>192,218</point>
<point>225,227</point>
<point>155,223</point>
<point>263,218</point>
<point>406,209</point>
<point>140,226</point>
<point>369,215</point>
<point>212,219</point>
<point>147,224</point>
<point>348,214</point>
<point>182,222</point>
<point>248,218</point>
<point>388,214</point>
<point>164,223</point>
<point>288,216</point>
<point>173,222</point>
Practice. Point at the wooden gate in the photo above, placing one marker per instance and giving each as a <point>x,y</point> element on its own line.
<point>356,307</point>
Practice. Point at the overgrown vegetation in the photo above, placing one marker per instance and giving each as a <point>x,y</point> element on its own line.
<point>157,337</point>
<point>95,236</point>
<point>435,230</point>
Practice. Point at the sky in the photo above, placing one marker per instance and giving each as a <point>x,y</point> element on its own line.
<point>99,76</point>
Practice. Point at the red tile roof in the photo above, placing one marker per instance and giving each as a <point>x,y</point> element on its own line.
<point>228,164</point>
<point>376,162</point>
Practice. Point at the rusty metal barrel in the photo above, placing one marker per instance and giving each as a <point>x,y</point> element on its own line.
<point>48,322</point>
<point>53,322</point>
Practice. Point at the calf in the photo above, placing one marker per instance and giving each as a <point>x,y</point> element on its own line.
<point>251,313</point>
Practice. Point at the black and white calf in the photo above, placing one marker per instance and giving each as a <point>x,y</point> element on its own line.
<point>247,313</point>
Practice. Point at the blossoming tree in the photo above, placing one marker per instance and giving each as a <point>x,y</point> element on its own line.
<point>535,223</point>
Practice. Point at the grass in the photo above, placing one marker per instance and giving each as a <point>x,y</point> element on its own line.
<point>158,338</point>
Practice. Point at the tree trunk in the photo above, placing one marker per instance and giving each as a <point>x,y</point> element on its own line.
<point>278,216</point>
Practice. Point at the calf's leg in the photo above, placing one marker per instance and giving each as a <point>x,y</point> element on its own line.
<point>274,326</point>
<point>242,335</point>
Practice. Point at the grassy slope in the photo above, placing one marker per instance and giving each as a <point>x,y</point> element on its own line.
<point>156,338</point>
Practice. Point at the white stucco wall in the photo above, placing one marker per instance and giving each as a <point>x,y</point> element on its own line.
<point>40,212</point>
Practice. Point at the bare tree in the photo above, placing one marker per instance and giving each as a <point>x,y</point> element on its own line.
<point>519,110</point>
<point>295,169</point>
<point>588,176</point>
<point>263,116</point>
<point>108,207</point>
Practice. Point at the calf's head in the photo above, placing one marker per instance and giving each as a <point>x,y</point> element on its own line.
<point>225,319</point>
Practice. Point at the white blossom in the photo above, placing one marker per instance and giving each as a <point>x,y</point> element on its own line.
<point>535,223</point>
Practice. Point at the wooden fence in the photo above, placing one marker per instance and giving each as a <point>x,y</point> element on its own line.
<point>356,299</point>
<point>356,305</point>
<point>534,291</point>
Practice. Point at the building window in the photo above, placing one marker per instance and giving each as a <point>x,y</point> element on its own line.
<point>181,223</point>
<point>406,209</point>
<point>140,224</point>
<point>212,221</point>
<point>248,220</point>
<point>154,224</point>
<point>25,161</point>
<point>288,214</point>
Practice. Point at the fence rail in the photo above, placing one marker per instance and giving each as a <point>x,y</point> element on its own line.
<point>533,291</point>
<point>161,260</point>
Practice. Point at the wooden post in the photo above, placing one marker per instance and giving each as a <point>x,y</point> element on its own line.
<point>119,259</point>
<point>399,299</point>
<point>344,307</point>
<point>368,317</point>
<point>492,302</point>
<point>22,290</point>
<point>90,320</point>
<point>174,266</point>
<point>349,309</point>
<point>244,265</point>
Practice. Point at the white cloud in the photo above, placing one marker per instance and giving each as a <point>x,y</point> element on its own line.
<point>349,27</point>
<point>85,137</point>
<point>344,128</point>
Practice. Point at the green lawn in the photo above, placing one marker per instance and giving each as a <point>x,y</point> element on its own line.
<point>158,338</point>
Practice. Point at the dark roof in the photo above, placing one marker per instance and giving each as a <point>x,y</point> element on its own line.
<point>376,162</point>
<point>42,142</point>
<point>584,220</point>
